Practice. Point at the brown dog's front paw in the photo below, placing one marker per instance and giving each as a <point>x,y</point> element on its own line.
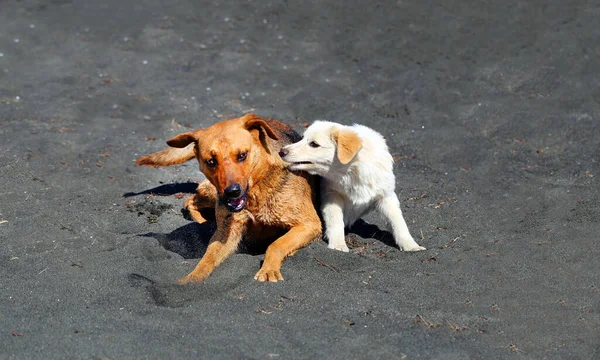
<point>191,279</point>
<point>268,275</point>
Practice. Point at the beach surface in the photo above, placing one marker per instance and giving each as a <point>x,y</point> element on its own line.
<point>490,109</point>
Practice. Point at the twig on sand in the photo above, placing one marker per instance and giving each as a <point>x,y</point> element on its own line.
<point>455,328</point>
<point>514,348</point>
<point>450,244</point>
<point>320,262</point>
<point>421,320</point>
<point>42,271</point>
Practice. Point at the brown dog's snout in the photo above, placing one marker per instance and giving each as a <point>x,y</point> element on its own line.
<point>283,152</point>
<point>233,191</point>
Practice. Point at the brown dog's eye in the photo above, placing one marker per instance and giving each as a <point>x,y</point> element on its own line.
<point>313,144</point>
<point>242,156</point>
<point>212,162</point>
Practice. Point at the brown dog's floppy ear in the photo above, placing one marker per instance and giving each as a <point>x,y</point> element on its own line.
<point>348,145</point>
<point>256,122</point>
<point>169,156</point>
<point>182,140</point>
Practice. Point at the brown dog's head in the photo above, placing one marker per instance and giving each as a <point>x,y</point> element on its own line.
<point>232,155</point>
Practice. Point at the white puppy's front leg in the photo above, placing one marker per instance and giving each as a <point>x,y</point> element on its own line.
<point>333,216</point>
<point>390,208</point>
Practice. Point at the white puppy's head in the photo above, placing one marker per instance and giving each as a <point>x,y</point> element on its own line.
<point>325,145</point>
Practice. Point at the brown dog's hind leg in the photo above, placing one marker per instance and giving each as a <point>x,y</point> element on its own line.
<point>295,239</point>
<point>205,197</point>
<point>223,243</point>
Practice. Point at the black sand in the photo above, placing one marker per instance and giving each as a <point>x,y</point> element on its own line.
<point>492,112</point>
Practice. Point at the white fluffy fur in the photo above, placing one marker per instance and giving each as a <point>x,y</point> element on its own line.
<point>351,190</point>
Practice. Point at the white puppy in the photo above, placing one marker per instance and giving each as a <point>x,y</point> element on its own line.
<point>357,171</point>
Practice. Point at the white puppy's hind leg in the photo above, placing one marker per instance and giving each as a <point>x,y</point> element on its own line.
<point>333,216</point>
<point>390,208</point>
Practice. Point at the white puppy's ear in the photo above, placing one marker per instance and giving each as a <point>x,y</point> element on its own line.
<point>348,145</point>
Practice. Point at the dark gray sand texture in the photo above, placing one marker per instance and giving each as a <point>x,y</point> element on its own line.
<point>491,109</point>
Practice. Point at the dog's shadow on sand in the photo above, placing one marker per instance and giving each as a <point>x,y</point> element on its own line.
<point>167,189</point>
<point>191,240</point>
<point>371,231</point>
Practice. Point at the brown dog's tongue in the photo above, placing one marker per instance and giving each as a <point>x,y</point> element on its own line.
<point>238,203</point>
<point>235,202</point>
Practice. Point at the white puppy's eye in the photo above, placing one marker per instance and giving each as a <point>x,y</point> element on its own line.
<point>313,144</point>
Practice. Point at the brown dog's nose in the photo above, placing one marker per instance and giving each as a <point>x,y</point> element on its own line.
<point>233,191</point>
<point>283,152</point>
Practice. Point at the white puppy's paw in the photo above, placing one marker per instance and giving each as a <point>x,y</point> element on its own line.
<point>411,248</point>
<point>341,247</point>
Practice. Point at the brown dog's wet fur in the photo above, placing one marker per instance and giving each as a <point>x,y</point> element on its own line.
<point>280,206</point>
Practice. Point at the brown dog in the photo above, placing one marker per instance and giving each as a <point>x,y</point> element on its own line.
<point>250,188</point>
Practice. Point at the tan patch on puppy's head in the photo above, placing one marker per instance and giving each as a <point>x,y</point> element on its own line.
<point>348,145</point>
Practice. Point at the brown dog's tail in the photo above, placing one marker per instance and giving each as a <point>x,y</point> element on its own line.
<point>169,156</point>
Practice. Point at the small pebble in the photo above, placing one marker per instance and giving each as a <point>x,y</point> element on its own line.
<point>17,40</point>
<point>280,37</point>
<point>115,106</point>
<point>226,19</point>
<point>1,54</point>
<point>145,62</point>
<point>208,89</point>
<point>126,39</point>
<point>32,26</point>
<point>17,98</point>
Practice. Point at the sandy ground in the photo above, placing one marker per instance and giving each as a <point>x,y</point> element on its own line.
<point>491,111</point>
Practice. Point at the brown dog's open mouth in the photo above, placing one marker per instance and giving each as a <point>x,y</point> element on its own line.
<point>238,204</point>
